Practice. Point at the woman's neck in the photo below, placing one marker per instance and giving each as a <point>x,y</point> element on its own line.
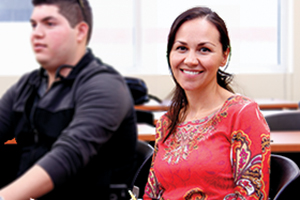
<point>202,104</point>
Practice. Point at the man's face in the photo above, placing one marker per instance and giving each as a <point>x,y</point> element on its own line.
<point>53,40</point>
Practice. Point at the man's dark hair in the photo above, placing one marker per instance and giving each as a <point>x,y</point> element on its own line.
<point>74,11</point>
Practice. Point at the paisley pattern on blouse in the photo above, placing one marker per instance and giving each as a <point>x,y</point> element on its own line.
<point>195,194</point>
<point>247,167</point>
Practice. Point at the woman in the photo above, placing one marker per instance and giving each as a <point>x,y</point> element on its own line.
<point>212,143</point>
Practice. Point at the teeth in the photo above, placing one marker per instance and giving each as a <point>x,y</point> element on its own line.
<point>190,72</point>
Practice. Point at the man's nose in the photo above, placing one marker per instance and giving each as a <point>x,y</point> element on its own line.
<point>38,31</point>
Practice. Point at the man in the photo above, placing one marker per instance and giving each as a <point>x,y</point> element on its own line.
<point>73,119</point>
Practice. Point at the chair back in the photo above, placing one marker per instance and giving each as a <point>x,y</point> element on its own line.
<point>138,181</point>
<point>144,116</point>
<point>283,172</point>
<point>144,158</point>
<point>284,121</point>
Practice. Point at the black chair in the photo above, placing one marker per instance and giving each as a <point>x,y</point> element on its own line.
<point>284,120</point>
<point>144,158</point>
<point>139,179</point>
<point>283,172</point>
<point>144,116</point>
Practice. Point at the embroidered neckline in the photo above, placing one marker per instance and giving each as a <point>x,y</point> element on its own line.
<point>205,119</point>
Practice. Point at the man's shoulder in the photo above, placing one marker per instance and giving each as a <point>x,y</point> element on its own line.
<point>29,77</point>
<point>98,72</point>
<point>96,65</point>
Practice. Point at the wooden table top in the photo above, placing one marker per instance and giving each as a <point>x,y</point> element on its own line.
<point>275,104</point>
<point>281,141</point>
<point>285,141</point>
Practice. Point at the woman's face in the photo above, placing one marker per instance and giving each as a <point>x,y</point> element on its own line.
<point>196,55</point>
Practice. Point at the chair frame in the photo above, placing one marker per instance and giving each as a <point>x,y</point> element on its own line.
<point>284,120</point>
<point>285,171</point>
<point>144,153</point>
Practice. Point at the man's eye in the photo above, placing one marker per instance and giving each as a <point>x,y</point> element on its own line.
<point>33,25</point>
<point>50,23</point>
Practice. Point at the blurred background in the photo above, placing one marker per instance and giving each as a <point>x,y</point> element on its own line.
<point>132,36</point>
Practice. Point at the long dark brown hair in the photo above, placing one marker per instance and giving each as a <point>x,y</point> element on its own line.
<point>179,100</point>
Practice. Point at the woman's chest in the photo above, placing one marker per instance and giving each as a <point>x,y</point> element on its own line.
<point>193,155</point>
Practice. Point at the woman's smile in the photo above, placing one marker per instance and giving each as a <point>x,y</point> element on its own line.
<point>190,72</point>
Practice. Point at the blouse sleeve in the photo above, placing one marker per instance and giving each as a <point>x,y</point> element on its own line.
<point>152,188</point>
<point>250,154</point>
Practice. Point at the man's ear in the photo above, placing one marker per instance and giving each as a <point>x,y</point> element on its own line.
<point>82,31</point>
<point>225,57</point>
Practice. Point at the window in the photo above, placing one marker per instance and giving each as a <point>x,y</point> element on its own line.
<point>15,10</point>
<point>113,33</point>
<point>131,35</point>
<point>16,54</point>
<point>134,33</point>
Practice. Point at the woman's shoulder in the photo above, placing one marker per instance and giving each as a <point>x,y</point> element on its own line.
<point>238,100</point>
<point>238,103</point>
<point>164,120</point>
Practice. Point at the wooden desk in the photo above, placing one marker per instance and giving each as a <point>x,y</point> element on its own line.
<point>281,141</point>
<point>13,141</point>
<point>146,132</point>
<point>285,141</point>
<point>263,105</point>
<point>278,106</point>
<point>152,107</point>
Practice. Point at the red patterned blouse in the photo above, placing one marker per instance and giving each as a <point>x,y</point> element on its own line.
<point>224,156</point>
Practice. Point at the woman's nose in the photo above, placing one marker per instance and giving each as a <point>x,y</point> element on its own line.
<point>191,59</point>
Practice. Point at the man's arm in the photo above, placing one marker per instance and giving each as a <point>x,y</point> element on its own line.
<point>89,127</point>
<point>102,103</point>
<point>6,113</point>
<point>33,184</point>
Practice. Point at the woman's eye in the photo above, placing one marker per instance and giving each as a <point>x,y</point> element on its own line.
<point>181,48</point>
<point>204,49</point>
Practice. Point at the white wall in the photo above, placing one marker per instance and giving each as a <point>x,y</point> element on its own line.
<point>254,86</point>
<point>266,86</point>
<point>279,86</point>
<point>294,80</point>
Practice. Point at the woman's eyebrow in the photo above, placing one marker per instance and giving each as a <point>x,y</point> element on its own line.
<point>200,44</point>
